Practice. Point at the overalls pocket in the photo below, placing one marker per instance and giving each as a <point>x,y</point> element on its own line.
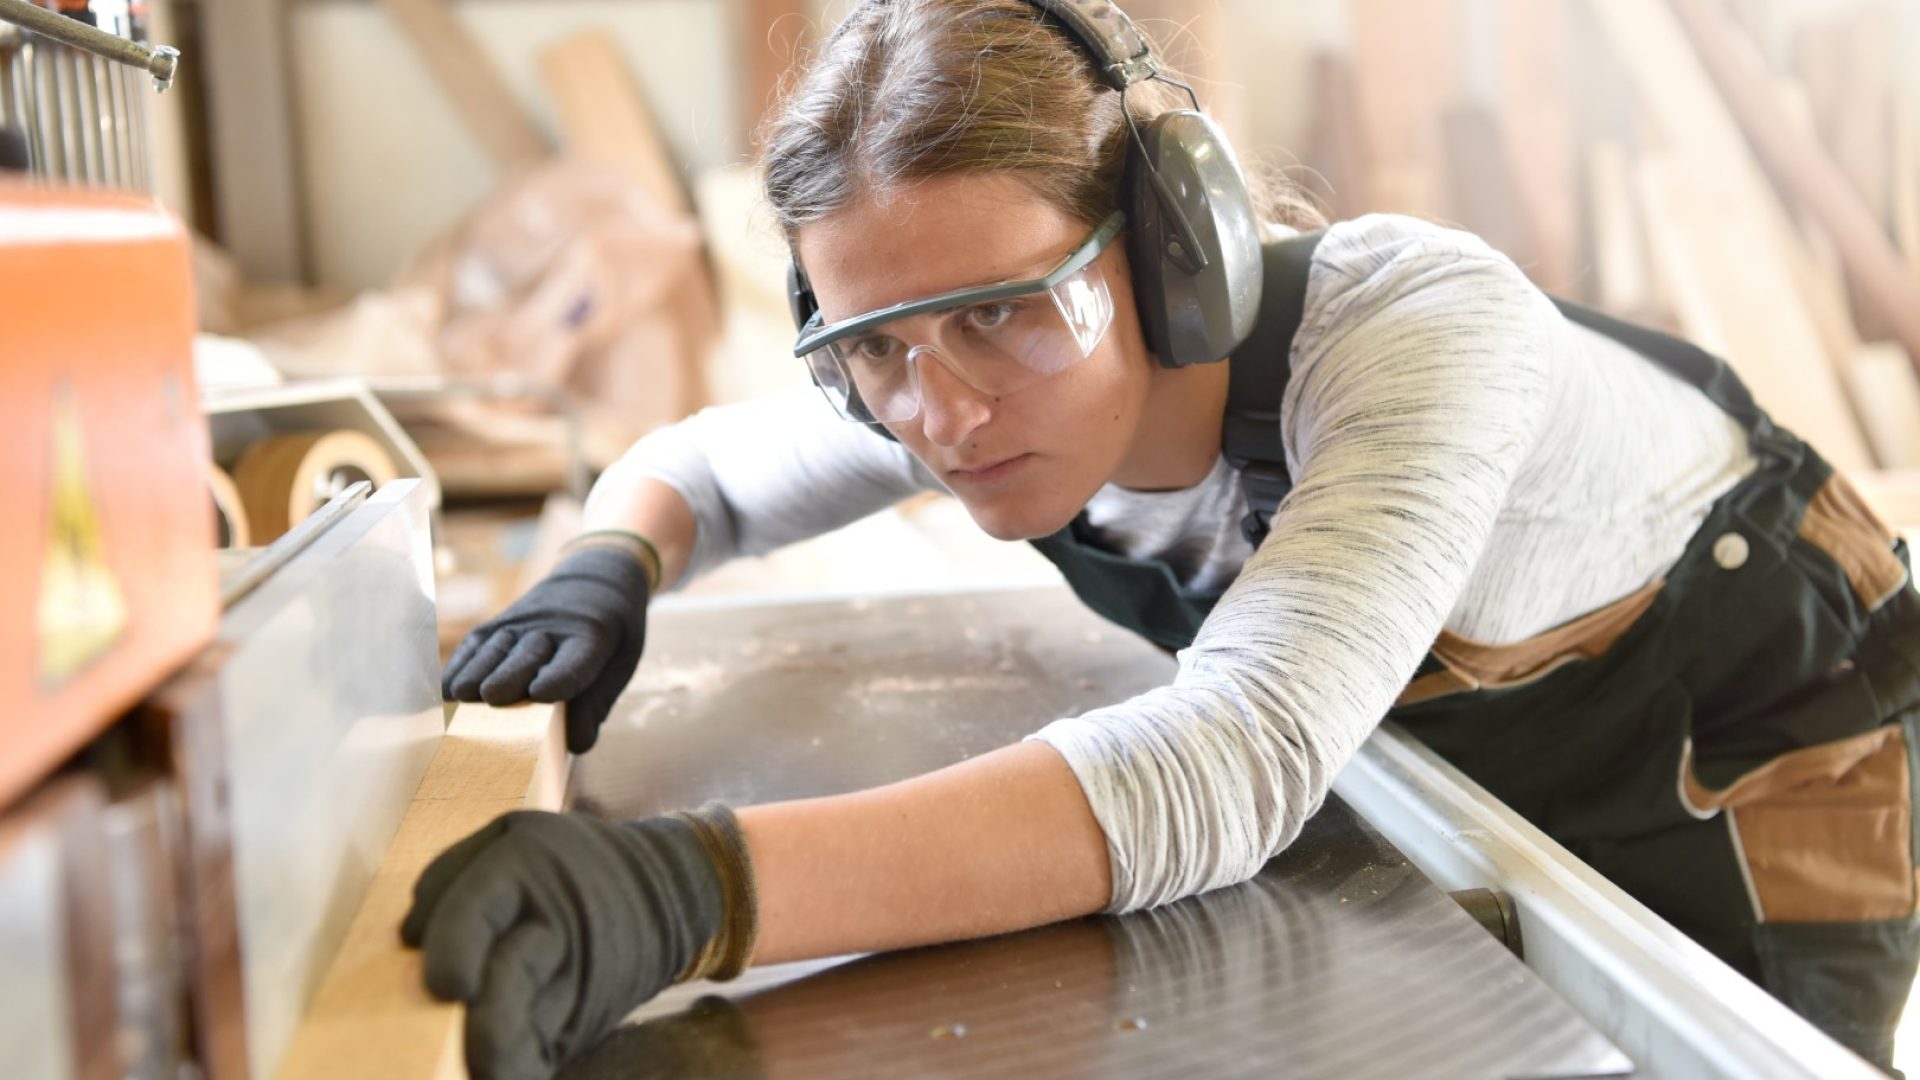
<point>1862,568</point>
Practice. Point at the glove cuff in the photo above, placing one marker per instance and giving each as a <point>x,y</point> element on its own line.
<point>632,543</point>
<point>730,950</point>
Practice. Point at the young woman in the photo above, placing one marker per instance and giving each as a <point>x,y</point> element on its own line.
<point>1571,555</point>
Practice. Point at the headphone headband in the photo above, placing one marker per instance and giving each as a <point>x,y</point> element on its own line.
<point>1109,36</point>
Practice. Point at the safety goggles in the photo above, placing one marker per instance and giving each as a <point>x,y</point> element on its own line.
<point>998,339</point>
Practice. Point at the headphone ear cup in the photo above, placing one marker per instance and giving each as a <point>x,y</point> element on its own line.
<point>1191,315</point>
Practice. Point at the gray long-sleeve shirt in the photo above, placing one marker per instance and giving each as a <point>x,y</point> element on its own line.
<point>1464,458</point>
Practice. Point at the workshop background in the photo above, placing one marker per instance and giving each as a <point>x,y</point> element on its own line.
<point>486,244</point>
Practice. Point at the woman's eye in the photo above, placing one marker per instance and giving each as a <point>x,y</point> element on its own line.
<point>991,316</point>
<point>874,348</point>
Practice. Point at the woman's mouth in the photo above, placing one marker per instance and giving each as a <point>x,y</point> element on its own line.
<point>993,472</point>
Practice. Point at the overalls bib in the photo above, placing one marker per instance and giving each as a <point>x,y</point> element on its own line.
<point>1732,744</point>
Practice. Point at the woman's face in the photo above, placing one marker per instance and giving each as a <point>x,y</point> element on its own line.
<point>1024,463</point>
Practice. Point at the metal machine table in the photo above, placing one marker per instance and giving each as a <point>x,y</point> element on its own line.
<point>1338,959</point>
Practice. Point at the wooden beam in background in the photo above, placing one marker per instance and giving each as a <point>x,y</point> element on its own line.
<point>472,84</point>
<point>258,208</point>
<point>1192,39</point>
<point>1906,181</point>
<point>1406,66</point>
<point>770,35</point>
<point>1882,282</point>
<point>1334,145</point>
<point>1625,285</point>
<point>1889,398</point>
<point>1484,187</point>
<point>604,119</point>
<point>1723,243</point>
<point>1536,117</point>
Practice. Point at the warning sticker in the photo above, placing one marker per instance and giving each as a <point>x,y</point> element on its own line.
<point>81,610</point>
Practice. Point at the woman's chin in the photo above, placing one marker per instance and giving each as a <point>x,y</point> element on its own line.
<point>1017,519</point>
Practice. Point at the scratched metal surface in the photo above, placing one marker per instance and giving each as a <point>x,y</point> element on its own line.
<point>1338,960</point>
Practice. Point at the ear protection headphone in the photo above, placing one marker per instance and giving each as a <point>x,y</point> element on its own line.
<point>1193,237</point>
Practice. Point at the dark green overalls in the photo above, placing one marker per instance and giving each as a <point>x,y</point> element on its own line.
<point>1732,744</point>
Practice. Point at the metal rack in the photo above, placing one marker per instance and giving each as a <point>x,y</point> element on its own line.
<point>71,95</point>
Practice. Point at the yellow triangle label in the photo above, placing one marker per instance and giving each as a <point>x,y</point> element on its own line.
<point>81,611</point>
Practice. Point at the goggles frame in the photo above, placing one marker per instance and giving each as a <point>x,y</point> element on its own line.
<point>816,335</point>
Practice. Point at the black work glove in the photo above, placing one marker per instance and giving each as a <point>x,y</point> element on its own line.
<point>575,637</point>
<point>552,927</point>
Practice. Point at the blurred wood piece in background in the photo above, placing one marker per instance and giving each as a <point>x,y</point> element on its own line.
<point>771,35</point>
<point>472,84</point>
<point>1536,120</point>
<point>1336,151</point>
<point>1483,185</point>
<point>1624,283</point>
<point>1406,65</point>
<point>1722,239</point>
<point>603,118</point>
<point>1882,284</point>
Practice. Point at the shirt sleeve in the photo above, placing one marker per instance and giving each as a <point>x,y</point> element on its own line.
<point>1420,382</point>
<point>762,474</point>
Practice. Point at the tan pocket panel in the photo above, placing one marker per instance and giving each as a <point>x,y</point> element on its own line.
<point>1474,665</point>
<point>1831,848</point>
<point>1839,522</point>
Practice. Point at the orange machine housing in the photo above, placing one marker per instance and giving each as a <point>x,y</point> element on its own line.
<point>107,574</point>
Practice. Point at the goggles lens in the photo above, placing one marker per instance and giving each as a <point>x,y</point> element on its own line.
<point>997,339</point>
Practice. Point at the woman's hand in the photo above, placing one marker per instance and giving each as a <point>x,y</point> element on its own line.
<point>575,637</point>
<point>552,927</point>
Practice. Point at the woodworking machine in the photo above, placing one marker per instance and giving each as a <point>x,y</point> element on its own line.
<point>202,760</point>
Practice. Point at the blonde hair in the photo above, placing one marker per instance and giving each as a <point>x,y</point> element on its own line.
<point>906,90</point>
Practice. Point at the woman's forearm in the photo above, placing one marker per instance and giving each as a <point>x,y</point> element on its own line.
<point>641,504</point>
<point>1003,842</point>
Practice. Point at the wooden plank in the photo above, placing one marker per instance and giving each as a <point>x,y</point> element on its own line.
<point>1819,61</point>
<point>1407,68</point>
<point>1894,494</point>
<point>1888,395</point>
<point>372,1016</point>
<point>1882,284</point>
<point>603,117</point>
<point>56,836</point>
<point>1536,119</point>
<point>258,212</point>
<point>1823,280</point>
<point>1863,117</point>
<point>187,716</point>
<point>1861,139</point>
<point>1906,180</point>
<point>1483,187</point>
<point>1625,285</point>
<point>1722,240</point>
<point>472,84</point>
<point>770,35</point>
<point>1735,296</point>
<point>1336,151</point>
<point>1192,36</point>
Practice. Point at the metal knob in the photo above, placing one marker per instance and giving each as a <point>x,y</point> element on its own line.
<point>159,61</point>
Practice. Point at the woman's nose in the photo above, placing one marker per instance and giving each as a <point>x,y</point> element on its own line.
<point>950,410</point>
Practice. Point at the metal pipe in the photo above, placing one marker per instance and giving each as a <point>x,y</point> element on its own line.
<point>103,122</point>
<point>68,106</point>
<point>52,160</point>
<point>87,114</point>
<point>160,61</point>
<point>27,90</point>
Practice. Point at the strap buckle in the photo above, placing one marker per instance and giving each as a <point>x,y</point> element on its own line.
<point>1264,486</point>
